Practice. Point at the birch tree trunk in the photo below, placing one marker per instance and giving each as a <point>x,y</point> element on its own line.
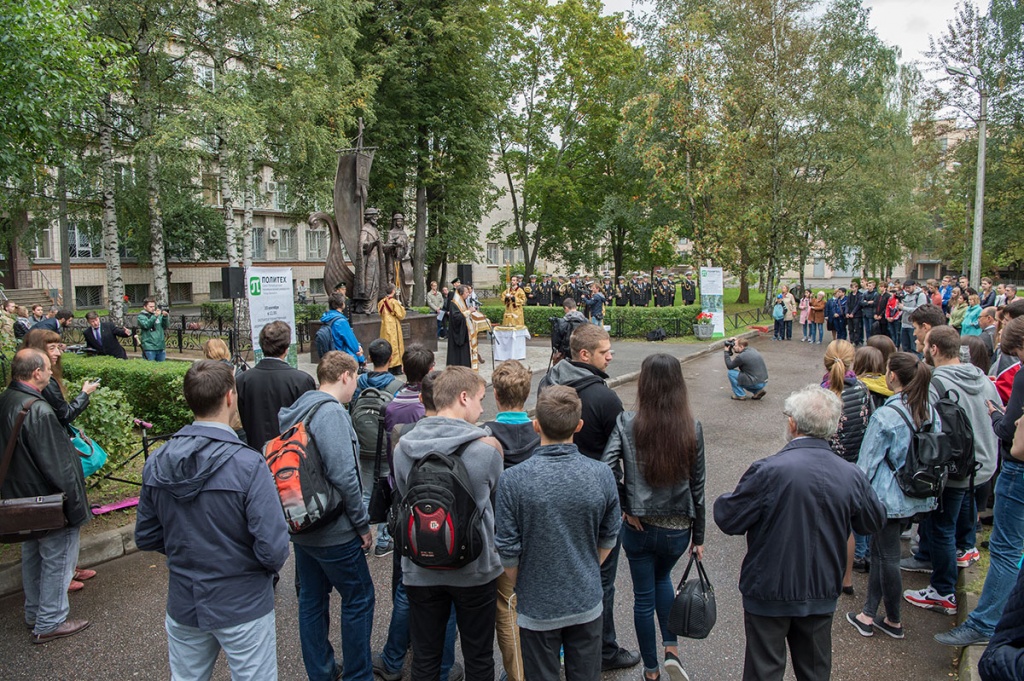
<point>111,253</point>
<point>157,254</point>
<point>227,201</point>
<point>248,205</point>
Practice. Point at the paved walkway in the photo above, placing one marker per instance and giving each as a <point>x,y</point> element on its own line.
<point>126,600</point>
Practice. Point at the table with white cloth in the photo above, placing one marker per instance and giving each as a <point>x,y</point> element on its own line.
<point>510,342</point>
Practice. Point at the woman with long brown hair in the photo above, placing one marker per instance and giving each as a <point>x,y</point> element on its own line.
<point>657,453</point>
<point>882,453</point>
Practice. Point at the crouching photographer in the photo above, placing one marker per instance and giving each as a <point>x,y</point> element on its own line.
<point>747,370</point>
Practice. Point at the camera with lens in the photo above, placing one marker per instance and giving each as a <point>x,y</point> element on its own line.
<point>730,343</point>
<point>165,308</point>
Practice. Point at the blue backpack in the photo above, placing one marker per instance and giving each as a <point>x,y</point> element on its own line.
<point>779,312</point>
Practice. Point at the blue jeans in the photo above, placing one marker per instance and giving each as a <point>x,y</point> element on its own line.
<point>869,323</point>
<point>47,565</point>
<point>938,544</point>
<point>652,554</point>
<point>861,550</point>
<point>343,567</point>
<point>777,332</point>
<point>788,327</point>
<point>397,645</point>
<point>817,332</point>
<point>839,325</point>
<point>440,328</point>
<point>1005,546</point>
<point>737,389</point>
<point>250,649</point>
<point>967,523</point>
<point>154,355</point>
<point>907,342</point>
<point>807,329</point>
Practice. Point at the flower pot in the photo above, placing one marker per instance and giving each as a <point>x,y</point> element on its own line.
<point>703,331</point>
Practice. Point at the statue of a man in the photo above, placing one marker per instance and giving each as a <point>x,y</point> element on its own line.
<point>397,259</point>
<point>370,265</point>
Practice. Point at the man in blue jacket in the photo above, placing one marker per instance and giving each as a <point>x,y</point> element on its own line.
<point>331,556</point>
<point>797,508</point>
<point>209,504</point>
<point>342,336</point>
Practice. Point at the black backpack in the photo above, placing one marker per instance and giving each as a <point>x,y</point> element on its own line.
<point>957,428</point>
<point>926,469</point>
<point>565,329</point>
<point>325,338</point>
<point>657,335</point>
<point>367,412</point>
<point>437,523</point>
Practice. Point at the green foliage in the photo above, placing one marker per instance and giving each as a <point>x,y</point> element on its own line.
<point>213,310</point>
<point>309,311</point>
<point>152,391</point>
<point>108,422</point>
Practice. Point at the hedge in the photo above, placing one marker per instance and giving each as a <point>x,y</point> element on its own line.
<point>626,322</point>
<point>153,391</point>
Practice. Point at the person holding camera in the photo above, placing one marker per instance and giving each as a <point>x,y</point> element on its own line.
<point>153,324</point>
<point>747,370</point>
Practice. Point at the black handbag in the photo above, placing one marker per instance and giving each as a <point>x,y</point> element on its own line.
<point>27,518</point>
<point>381,496</point>
<point>693,612</point>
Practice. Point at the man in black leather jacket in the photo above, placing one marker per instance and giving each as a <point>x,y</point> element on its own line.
<point>43,463</point>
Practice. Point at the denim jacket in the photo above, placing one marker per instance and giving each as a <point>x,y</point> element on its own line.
<point>888,435</point>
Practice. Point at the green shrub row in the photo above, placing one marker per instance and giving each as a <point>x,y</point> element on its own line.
<point>626,322</point>
<point>152,391</point>
<point>223,310</point>
<point>111,425</point>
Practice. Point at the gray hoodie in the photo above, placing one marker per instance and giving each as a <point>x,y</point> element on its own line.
<point>973,388</point>
<point>484,466</point>
<point>331,428</point>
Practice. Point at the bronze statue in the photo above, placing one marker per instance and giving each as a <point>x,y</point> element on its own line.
<point>369,266</point>
<point>397,259</point>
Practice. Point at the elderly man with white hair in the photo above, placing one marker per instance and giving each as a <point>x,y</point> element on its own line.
<point>797,509</point>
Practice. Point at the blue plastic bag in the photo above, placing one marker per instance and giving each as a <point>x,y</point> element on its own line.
<point>93,456</point>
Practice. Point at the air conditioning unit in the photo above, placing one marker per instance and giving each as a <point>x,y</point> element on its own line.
<point>269,187</point>
<point>273,235</point>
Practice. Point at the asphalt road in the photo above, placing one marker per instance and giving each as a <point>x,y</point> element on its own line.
<point>126,600</point>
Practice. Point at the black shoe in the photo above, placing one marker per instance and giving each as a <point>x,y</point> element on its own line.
<point>382,671</point>
<point>623,659</point>
<point>861,565</point>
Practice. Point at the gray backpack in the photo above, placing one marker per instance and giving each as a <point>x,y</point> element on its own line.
<point>368,415</point>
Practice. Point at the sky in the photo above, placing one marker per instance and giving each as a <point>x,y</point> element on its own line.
<point>904,23</point>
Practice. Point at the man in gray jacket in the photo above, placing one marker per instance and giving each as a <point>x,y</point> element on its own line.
<point>747,370</point>
<point>209,504</point>
<point>945,545</point>
<point>472,589</point>
<point>331,556</point>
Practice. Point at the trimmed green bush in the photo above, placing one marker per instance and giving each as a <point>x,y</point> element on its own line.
<point>626,322</point>
<point>214,310</point>
<point>110,424</point>
<point>309,311</point>
<point>153,391</point>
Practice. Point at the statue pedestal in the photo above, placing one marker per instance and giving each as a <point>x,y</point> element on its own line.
<point>416,328</point>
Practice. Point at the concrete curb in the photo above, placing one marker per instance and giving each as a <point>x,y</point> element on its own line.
<point>95,549</point>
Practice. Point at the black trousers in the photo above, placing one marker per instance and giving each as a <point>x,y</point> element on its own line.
<point>810,645</point>
<point>582,644</point>
<point>475,611</point>
<point>609,568</point>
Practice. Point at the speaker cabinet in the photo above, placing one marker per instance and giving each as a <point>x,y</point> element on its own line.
<point>232,282</point>
<point>465,273</point>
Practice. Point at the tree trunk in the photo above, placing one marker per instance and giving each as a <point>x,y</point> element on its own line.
<point>419,248</point>
<point>227,201</point>
<point>67,292</point>
<point>744,296</point>
<point>247,209</point>
<point>157,255</point>
<point>111,253</point>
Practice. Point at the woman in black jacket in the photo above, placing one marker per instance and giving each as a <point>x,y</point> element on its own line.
<point>55,395</point>
<point>657,453</point>
<point>841,379</point>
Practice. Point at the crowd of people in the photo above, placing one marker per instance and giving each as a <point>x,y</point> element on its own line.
<point>510,532</point>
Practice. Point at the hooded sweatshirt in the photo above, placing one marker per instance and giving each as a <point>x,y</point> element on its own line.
<point>514,430</point>
<point>483,465</point>
<point>973,388</point>
<point>331,429</point>
<point>209,504</point>
<point>601,406</point>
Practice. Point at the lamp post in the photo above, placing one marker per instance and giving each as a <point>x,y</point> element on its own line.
<point>979,191</point>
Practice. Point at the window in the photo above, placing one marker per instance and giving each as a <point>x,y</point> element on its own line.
<point>316,286</point>
<point>316,244</point>
<point>287,245</point>
<point>492,254</point>
<point>510,256</point>
<point>41,250</point>
<point>259,243</point>
<point>206,77</point>
<point>216,291</point>
<point>211,189</point>
<point>88,296</point>
<point>136,293</point>
<point>819,268</point>
<point>81,243</point>
<point>181,292</point>
<point>279,198</point>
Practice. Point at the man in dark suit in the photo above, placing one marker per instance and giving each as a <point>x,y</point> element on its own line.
<point>100,336</point>
<point>270,385</point>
